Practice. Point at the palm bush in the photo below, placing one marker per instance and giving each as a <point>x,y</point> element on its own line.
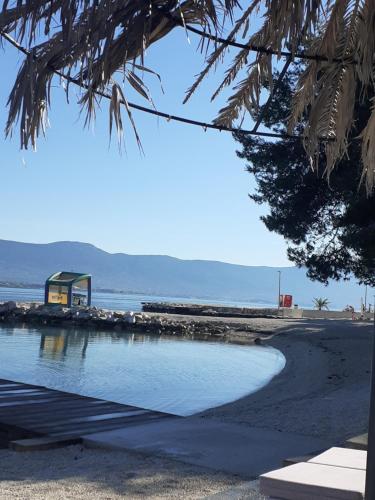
<point>320,303</point>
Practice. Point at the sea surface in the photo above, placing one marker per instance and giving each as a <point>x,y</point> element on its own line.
<point>119,301</point>
<point>174,375</point>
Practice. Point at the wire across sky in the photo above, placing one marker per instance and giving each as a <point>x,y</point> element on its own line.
<point>190,121</point>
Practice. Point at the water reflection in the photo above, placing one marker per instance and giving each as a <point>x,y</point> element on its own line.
<point>179,376</point>
<point>56,344</point>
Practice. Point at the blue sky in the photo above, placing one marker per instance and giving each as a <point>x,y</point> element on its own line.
<point>186,197</point>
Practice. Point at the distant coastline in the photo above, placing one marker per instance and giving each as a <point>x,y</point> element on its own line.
<point>31,286</point>
<point>35,286</point>
<point>28,265</point>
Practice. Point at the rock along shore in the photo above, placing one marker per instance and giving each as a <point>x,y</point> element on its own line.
<point>92,317</point>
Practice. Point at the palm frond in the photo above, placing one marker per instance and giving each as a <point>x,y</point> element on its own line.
<point>94,39</point>
<point>368,151</point>
<point>97,38</point>
<point>219,51</point>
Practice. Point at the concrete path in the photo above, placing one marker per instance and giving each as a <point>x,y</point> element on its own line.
<point>231,448</point>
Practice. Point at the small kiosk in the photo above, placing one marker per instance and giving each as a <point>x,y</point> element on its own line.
<point>68,289</point>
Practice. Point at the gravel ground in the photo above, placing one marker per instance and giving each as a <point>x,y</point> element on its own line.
<point>80,473</point>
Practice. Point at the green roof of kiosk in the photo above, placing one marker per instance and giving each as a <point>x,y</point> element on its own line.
<point>64,288</point>
<point>67,278</point>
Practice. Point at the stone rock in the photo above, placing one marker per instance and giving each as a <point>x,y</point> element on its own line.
<point>111,320</point>
<point>83,315</point>
<point>9,306</point>
<point>129,317</point>
<point>55,312</point>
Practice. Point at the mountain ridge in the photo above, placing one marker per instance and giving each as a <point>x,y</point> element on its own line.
<point>165,275</point>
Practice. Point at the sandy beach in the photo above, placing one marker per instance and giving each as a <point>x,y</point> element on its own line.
<point>323,391</point>
<point>324,388</point>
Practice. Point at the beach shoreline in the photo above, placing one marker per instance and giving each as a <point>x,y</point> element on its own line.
<point>324,388</point>
<point>323,391</point>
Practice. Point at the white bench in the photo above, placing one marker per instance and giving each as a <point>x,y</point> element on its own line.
<point>336,474</point>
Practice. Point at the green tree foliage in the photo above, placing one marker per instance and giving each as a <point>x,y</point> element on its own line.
<point>330,228</point>
<point>320,303</point>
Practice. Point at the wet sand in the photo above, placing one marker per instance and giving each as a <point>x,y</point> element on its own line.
<point>323,390</point>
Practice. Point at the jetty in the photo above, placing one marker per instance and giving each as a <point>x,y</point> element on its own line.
<point>220,311</point>
<point>35,417</point>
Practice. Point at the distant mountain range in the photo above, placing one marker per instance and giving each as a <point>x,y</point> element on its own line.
<point>30,263</point>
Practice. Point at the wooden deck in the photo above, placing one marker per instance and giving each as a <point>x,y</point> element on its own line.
<point>29,411</point>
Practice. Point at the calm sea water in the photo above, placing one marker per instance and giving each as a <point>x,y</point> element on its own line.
<point>175,375</point>
<point>117,301</point>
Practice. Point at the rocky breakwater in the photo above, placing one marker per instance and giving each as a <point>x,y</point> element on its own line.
<point>220,311</point>
<point>209,310</point>
<point>93,317</point>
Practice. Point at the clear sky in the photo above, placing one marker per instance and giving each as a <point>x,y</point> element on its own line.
<point>186,197</point>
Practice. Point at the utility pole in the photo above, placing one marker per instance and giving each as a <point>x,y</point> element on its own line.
<point>370,466</point>
<point>278,297</point>
<point>365,298</point>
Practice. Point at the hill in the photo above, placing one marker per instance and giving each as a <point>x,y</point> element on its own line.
<point>31,263</point>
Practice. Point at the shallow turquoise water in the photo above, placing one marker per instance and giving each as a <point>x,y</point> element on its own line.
<point>174,375</point>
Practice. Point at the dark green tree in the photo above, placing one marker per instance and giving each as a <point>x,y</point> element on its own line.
<point>329,226</point>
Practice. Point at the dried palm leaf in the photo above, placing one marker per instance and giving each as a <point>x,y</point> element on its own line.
<point>368,151</point>
<point>219,52</point>
<point>94,39</point>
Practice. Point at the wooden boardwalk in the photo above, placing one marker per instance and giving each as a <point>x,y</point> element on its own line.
<point>29,411</point>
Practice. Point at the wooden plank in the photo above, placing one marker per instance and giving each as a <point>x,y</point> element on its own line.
<point>47,407</point>
<point>79,420</point>
<point>83,419</point>
<point>17,393</point>
<point>62,401</point>
<point>55,391</point>
<point>94,429</point>
<point>24,384</point>
<point>33,397</point>
<point>20,392</point>
<point>25,403</point>
<point>73,421</point>
<point>6,386</point>
<point>100,426</point>
<point>52,404</point>
<point>62,413</point>
<point>19,387</point>
<point>40,411</point>
<point>20,397</point>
